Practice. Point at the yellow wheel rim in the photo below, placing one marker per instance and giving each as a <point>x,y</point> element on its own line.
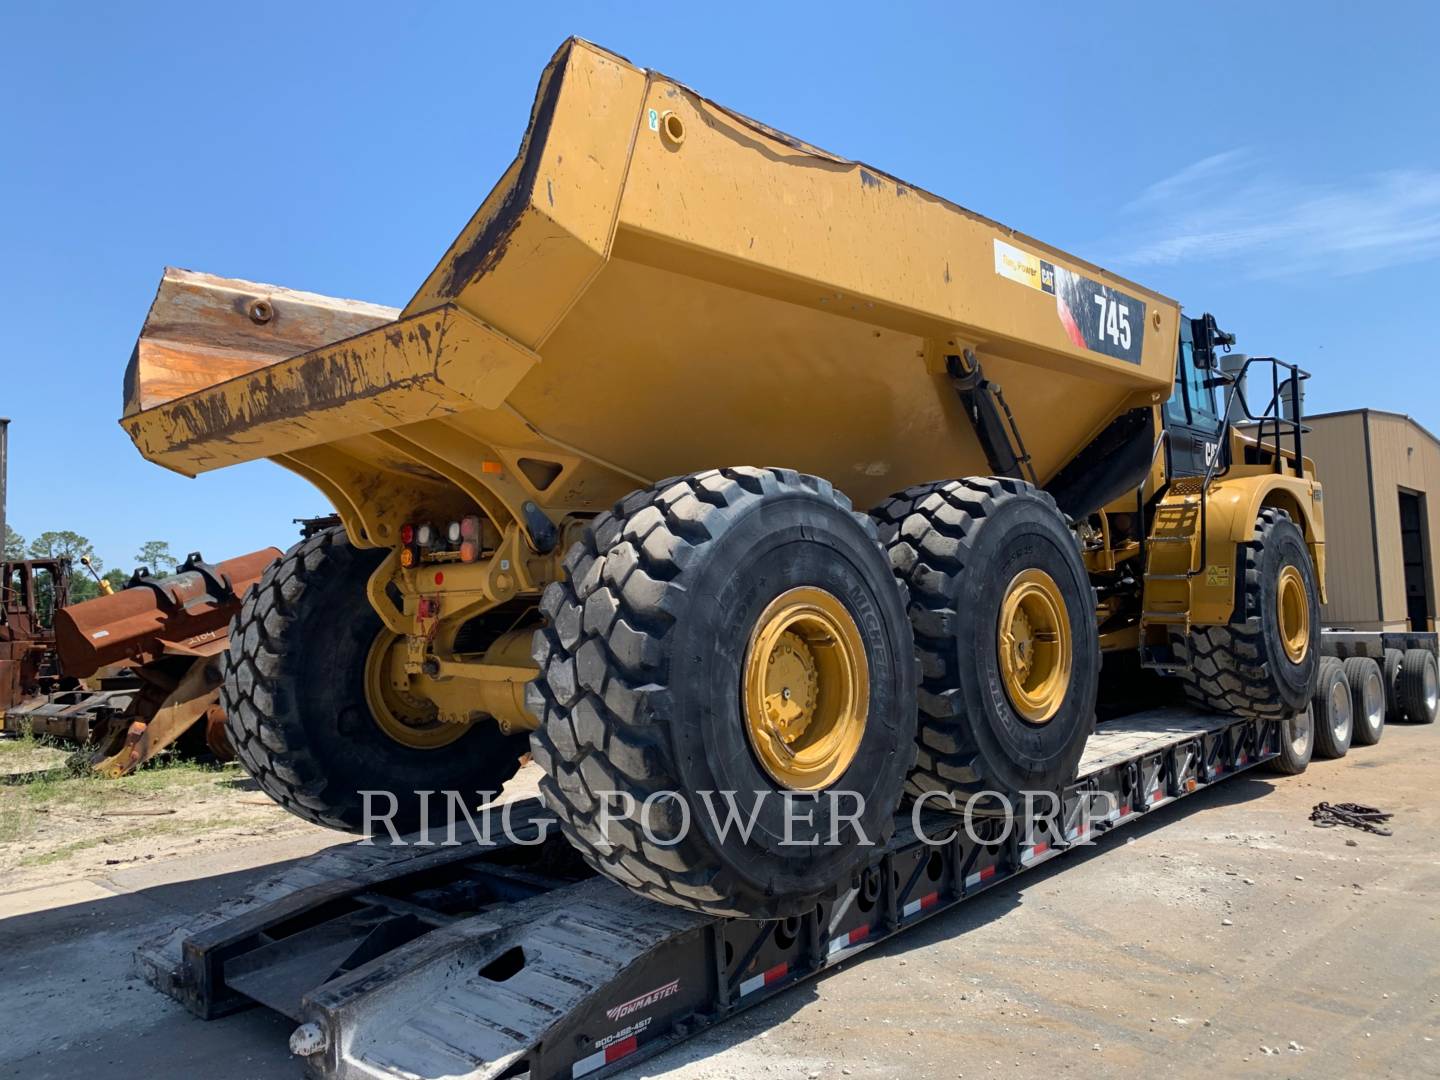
<point>408,718</point>
<point>806,691</point>
<point>1034,643</point>
<point>1292,602</point>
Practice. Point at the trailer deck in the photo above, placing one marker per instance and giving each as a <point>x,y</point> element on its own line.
<point>508,959</point>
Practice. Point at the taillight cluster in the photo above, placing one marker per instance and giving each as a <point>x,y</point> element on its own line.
<point>421,539</point>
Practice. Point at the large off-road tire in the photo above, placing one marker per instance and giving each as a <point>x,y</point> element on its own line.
<point>1297,743</point>
<point>1418,684</point>
<point>1333,708</point>
<point>1253,666</point>
<point>662,626</point>
<point>1367,693</point>
<point>966,549</point>
<point>296,709</point>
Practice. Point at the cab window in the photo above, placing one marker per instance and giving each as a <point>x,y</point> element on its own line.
<point>1201,397</point>
<point>1175,412</point>
<point>1192,402</point>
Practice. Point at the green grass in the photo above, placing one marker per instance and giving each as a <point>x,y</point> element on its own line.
<point>27,746</point>
<point>71,783</point>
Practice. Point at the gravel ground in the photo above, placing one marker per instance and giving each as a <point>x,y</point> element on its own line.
<point>1222,935</point>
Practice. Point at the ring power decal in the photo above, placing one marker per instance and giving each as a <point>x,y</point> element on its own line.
<point>1095,316</point>
<point>1021,266</point>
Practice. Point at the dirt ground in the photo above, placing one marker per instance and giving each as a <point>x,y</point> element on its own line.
<point>62,825</point>
<point>1223,935</point>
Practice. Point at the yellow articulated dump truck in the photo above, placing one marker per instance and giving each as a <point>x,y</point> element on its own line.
<point>724,474</point>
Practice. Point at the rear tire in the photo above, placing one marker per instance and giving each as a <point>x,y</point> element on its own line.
<point>1367,691</point>
<point>1394,714</point>
<point>295,704</point>
<point>1249,667</point>
<point>963,547</point>
<point>645,669</point>
<point>1333,709</point>
<point>1419,686</point>
<point>1297,743</point>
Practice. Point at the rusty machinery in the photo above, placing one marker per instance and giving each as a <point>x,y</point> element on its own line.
<point>170,634</point>
<point>34,591</point>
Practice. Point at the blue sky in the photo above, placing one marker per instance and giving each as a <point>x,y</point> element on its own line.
<point>1278,165</point>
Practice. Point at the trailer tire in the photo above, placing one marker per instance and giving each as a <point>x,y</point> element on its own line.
<point>1297,743</point>
<point>1419,686</point>
<point>656,636</point>
<point>1367,691</point>
<point>962,548</point>
<point>1333,708</point>
<point>295,705</point>
<point>1393,658</point>
<point>1243,667</point>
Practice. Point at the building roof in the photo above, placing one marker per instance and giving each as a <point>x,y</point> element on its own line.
<point>1421,428</point>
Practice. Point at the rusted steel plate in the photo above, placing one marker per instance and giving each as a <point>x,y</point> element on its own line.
<point>204,329</point>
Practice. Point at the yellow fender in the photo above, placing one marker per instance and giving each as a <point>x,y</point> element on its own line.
<point>1233,504</point>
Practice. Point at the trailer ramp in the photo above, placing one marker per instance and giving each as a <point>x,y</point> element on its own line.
<point>510,959</point>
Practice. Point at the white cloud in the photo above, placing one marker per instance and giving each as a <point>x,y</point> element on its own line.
<point>1230,208</point>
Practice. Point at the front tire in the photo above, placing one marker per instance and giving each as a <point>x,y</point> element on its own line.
<point>297,711</point>
<point>1264,663</point>
<point>734,631</point>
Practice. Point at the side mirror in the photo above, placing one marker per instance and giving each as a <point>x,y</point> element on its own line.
<point>1208,337</point>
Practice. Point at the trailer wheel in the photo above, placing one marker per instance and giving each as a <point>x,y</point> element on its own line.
<point>1333,710</point>
<point>1297,743</point>
<point>724,648</point>
<point>1263,664</point>
<point>1419,686</point>
<point>1005,632</point>
<point>1393,659</point>
<point>299,712</point>
<point>1367,693</point>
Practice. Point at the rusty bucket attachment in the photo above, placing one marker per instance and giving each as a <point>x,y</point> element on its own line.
<point>171,633</point>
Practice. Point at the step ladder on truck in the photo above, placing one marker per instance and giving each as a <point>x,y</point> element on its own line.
<point>661,287</point>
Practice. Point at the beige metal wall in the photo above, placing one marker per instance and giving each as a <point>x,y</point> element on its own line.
<point>1337,444</point>
<point>1364,458</point>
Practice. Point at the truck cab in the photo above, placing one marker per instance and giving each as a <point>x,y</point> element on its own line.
<point>1194,425</point>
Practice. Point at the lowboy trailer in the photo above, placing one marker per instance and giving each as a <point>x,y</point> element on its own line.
<point>512,958</point>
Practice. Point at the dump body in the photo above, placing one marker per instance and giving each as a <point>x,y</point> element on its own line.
<point>659,285</point>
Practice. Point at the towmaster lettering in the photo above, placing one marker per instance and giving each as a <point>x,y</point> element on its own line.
<point>644,1001</point>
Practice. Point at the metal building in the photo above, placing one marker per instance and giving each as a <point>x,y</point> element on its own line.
<point>1381,472</point>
